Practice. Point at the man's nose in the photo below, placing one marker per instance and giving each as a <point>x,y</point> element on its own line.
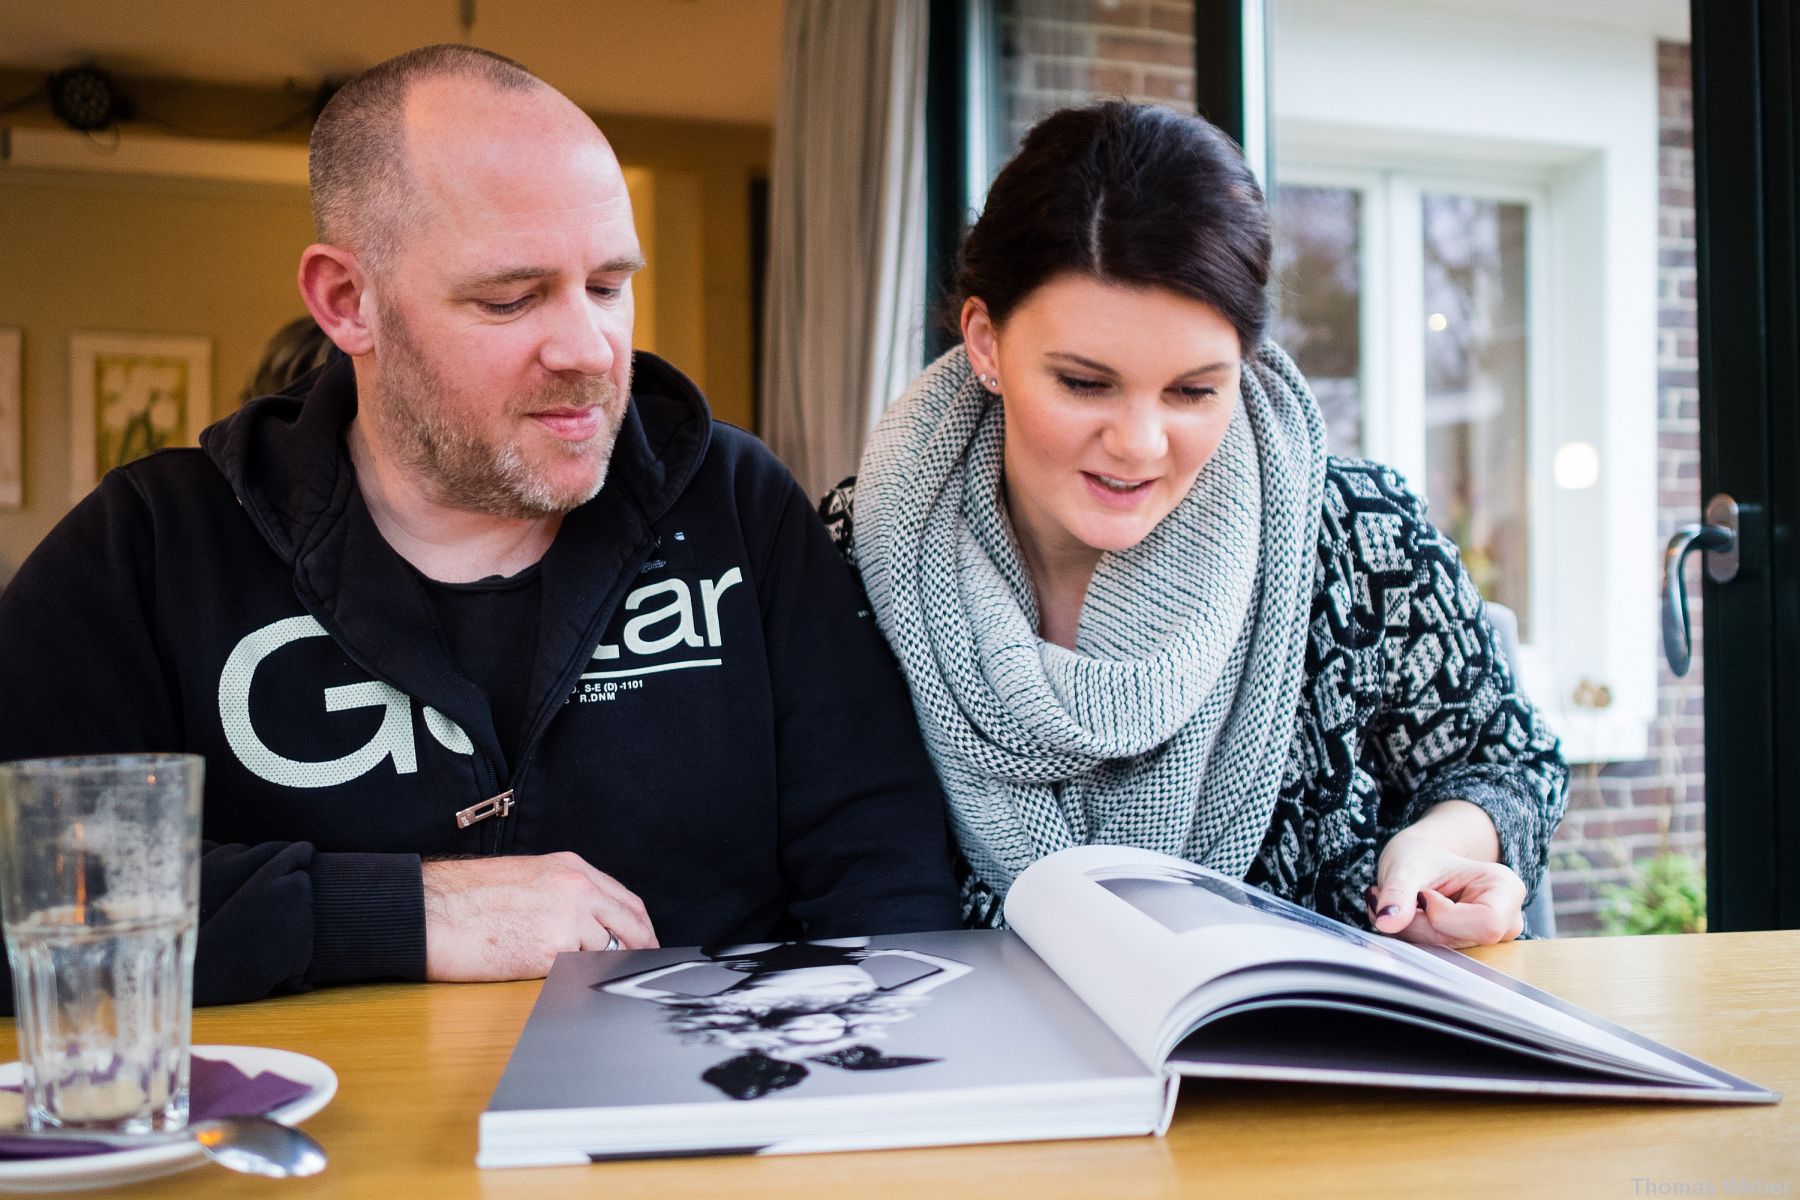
<point>1137,434</point>
<point>576,341</point>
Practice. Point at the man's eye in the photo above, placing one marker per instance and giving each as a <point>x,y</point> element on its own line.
<point>603,292</point>
<point>503,308</point>
<point>1076,383</point>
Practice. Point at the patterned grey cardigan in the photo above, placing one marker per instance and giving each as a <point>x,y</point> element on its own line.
<point>1406,702</point>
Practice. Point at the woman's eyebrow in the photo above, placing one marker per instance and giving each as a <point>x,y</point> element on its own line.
<point>1090,364</point>
<point>1208,369</point>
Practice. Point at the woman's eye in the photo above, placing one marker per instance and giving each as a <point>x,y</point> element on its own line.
<point>1196,393</point>
<point>1076,383</point>
<point>504,308</point>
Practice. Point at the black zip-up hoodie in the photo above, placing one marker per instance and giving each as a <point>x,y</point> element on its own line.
<point>712,719</point>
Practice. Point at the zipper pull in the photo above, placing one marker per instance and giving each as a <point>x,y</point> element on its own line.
<point>493,806</point>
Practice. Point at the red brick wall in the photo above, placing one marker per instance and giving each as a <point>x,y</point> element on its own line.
<point>1061,52</point>
<point>1054,53</point>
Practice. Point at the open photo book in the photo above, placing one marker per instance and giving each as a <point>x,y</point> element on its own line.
<point>1123,971</point>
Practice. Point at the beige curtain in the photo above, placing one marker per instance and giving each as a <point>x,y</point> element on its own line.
<point>844,316</point>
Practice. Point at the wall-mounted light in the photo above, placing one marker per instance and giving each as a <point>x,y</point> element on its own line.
<point>1577,466</point>
<point>85,98</point>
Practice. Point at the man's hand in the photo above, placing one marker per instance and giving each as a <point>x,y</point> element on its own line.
<point>508,918</point>
<point>1437,883</point>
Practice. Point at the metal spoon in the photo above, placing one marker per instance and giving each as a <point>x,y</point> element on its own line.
<point>252,1145</point>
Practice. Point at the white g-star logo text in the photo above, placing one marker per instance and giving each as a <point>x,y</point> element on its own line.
<point>393,740</point>
<point>678,614</point>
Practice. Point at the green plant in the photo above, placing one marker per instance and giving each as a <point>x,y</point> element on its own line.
<point>1668,897</point>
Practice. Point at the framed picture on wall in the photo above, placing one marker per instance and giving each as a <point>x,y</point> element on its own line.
<point>12,419</point>
<point>132,394</point>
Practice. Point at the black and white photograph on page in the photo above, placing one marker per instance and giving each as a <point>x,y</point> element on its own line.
<point>785,1009</point>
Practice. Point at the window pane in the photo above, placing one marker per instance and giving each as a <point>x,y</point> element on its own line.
<point>1475,383</point>
<point>1318,301</point>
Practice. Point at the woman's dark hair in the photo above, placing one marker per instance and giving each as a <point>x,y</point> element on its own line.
<point>1133,194</point>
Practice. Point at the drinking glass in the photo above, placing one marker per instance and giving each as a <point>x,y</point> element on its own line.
<point>99,899</point>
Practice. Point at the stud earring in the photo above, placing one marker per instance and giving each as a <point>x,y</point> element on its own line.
<point>990,382</point>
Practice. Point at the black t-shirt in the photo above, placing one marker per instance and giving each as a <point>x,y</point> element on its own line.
<point>491,630</point>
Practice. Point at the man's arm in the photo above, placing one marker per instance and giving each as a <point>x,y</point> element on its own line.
<point>509,917</point>
<point>864,839</point>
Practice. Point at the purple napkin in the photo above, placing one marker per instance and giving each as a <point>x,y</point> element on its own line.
<point>215,1089</point>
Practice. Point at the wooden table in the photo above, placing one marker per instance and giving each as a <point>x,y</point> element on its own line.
<point>417,1063</point>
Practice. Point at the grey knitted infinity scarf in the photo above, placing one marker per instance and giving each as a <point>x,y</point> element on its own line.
<point>1168,726</point>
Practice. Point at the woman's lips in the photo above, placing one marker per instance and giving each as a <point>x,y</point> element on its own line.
<point>570,424</point>
<point>1116,492</point>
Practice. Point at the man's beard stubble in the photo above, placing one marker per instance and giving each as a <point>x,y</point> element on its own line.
<point>468,471</point>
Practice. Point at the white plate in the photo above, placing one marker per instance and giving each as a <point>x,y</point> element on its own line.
<point>131,1166</point>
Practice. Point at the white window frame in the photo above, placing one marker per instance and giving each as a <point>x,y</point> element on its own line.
<point>1567,648</point>
<point>1391,271</point>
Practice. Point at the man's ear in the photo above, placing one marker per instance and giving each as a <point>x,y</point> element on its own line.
<point>979,340</point>
<point>334,284</point>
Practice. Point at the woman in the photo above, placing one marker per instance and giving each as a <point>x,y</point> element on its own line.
<point>1137,603</point>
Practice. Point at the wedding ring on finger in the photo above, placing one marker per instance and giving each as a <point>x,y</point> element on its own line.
<point>612,940</point>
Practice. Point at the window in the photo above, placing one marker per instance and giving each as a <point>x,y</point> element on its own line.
<point>1319,299</point>
<point>1432,321</point>
<point>1475,344</point>
<point>1453,294</point>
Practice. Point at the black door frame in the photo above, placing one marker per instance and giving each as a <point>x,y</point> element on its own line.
<point>947,156</point>
<point>1747,214</point>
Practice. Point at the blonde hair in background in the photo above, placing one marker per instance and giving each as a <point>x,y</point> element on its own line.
<point>295,349</point>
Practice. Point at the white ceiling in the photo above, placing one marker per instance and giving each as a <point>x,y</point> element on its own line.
<point>699,59</point>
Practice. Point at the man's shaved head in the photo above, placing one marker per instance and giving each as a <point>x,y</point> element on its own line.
<point>362,190</point>
<point>475,256</point>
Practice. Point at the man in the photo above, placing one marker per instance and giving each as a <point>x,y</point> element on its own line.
<point>493,651</point>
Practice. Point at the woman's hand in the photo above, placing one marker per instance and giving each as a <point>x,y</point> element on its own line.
<point>1438,883</point>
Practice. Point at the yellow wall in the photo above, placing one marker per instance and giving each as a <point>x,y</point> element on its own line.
<point>702,175</point>
<point>84,250</point>
<point>94,252</point>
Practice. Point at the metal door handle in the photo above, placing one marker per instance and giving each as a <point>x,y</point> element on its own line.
<point>1719,537</point>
